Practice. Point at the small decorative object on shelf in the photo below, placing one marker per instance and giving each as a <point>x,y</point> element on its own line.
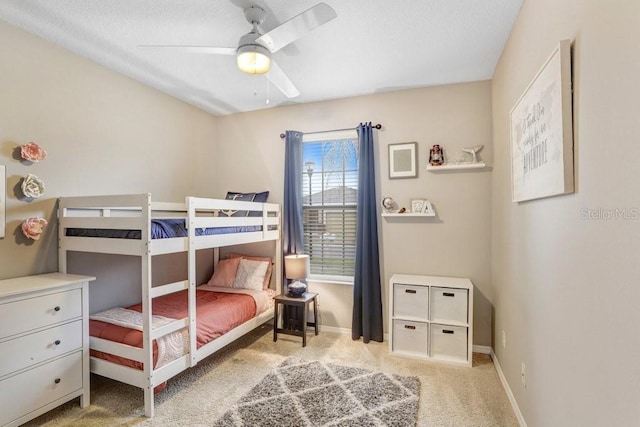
<point>436,155</point>
<point>32,186</point>
<point>417,205</point>
<point>34,227</point>
<point>473,151</point>
<point>32,152</point>
<point>427,209</point>
<point>389,205</point>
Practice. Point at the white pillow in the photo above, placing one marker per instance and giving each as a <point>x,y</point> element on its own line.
<point>250,274</point>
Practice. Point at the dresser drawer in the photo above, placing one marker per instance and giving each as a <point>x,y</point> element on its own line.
<point>32,313</point>
<point>30,390</point>
<point>449,305</point>
<point>28,350</point>
<point>410,337</point>
<point>449,342</point>
<point>411,301</point>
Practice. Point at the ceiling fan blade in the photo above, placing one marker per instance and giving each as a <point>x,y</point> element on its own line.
<point>196,49</point>
<point>297,27</point>
<point>281,81</point>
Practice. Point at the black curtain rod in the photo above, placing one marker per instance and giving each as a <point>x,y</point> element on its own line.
<point>378,126</point>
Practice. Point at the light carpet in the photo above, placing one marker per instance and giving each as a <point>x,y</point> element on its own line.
<point>450,396</point>
<point>316,393</point>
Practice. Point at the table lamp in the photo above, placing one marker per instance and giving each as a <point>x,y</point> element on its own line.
<point>296,267</point>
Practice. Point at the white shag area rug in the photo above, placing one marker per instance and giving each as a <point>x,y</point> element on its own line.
<point>316,393</point>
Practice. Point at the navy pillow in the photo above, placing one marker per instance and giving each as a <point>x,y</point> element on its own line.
<point>244,197</point>
<point>260,198</point>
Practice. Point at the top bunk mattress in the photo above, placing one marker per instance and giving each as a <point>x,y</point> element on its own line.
<point>160,229</point>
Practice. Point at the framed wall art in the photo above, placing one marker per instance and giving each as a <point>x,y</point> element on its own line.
<point>403,160</point>
<point>542,132</point>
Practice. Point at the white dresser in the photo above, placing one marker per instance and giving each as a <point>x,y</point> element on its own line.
<point>44,344</point>
<point>431,318</point>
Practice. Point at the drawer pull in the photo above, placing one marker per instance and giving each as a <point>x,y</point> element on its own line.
<point>56,308</point>
<point>410,291</point>
<point>447,331</point>
<point>448,294</point>
<point>409,327</point>
<point>57,342</point>
<point>57,381</point>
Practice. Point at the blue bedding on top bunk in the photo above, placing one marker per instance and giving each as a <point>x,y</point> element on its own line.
<point>160,229</point>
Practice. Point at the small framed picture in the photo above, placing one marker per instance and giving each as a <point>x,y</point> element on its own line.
<point>417,205</point>
<point>403,160</point>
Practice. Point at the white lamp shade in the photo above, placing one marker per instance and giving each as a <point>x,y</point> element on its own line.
<point>296,266</point>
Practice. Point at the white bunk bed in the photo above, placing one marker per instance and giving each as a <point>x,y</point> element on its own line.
<point>136,212</point>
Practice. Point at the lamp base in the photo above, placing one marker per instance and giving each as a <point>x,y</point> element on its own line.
<point>296,289</point>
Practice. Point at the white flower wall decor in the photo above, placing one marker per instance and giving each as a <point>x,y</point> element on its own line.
<point>32,186</point>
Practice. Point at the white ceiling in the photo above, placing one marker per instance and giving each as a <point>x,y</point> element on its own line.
<point>372,46</point>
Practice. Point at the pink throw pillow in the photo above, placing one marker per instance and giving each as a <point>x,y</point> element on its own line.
<point>225,273</point>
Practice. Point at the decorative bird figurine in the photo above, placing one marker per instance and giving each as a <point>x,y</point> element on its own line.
<point>473,151</point>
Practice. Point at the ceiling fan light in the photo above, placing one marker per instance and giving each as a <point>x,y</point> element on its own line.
<point>253,62</point>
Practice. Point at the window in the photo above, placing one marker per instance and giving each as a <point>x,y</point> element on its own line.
<point>329,201</point>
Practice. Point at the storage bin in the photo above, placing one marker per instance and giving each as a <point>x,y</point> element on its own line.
<point>411,301</point>
<point>410,338</point>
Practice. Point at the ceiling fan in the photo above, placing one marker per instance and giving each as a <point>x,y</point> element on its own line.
<point>254,48</point>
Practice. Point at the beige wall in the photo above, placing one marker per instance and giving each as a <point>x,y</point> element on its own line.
<point>455,243</point>
<point>566,288</point>
<point>104,134</point>
<point>108,134</point>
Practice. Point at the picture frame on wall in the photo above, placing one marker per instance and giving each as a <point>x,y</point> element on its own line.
<point>542,132</point>
<point>3,199</point>
<point>403,160</point>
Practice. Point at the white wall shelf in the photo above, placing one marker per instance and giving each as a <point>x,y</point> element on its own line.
<point>456,166</point>
<point>408,214</point>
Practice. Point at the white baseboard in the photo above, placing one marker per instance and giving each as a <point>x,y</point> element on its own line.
<point>484,349</point>
<point>507,389</point>
<point>335,330</point>
<point>344,331</point>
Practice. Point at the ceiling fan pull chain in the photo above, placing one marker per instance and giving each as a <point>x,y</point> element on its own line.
<point>268,86</point>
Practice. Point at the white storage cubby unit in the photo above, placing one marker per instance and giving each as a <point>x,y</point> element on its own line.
<point>431,318</point>
<point>44,344</point>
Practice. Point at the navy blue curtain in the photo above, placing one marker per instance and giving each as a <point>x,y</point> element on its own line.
<point>292,209</point>
<point>367,287</point>
<point>292,215</point>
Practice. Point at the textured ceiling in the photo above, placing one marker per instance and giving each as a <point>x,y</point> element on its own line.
<point>372,46</point>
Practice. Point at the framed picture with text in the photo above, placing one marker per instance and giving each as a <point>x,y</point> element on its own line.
<point>542,132</point>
